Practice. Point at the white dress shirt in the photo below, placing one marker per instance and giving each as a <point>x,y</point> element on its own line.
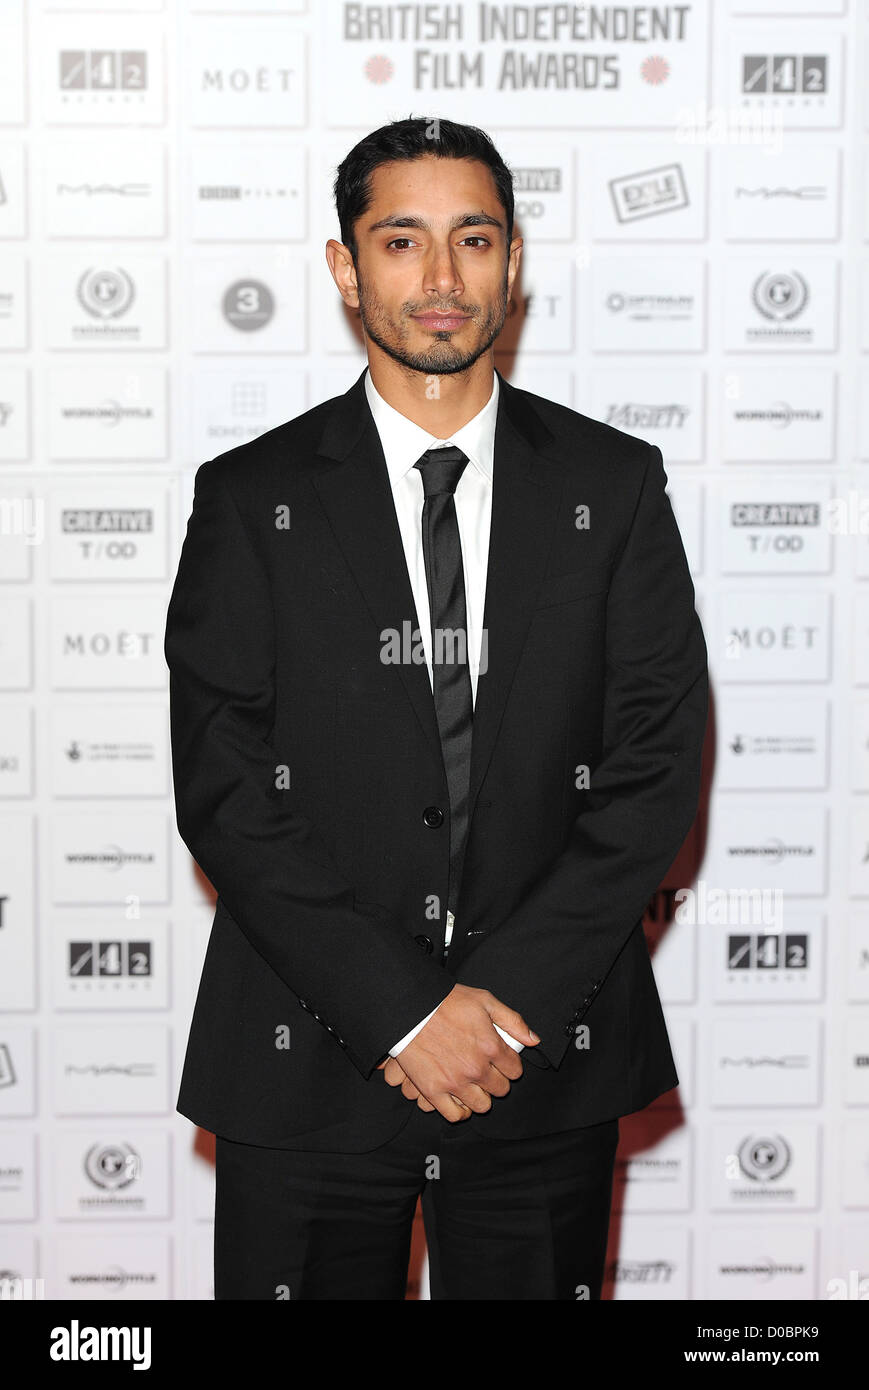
<point>403,443</point>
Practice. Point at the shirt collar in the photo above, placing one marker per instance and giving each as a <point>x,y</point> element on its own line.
<point>404,442</point>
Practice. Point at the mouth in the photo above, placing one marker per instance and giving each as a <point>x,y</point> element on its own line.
<point>441,323</point>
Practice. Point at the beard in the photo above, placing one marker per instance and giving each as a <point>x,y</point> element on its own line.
<point>442,357</point>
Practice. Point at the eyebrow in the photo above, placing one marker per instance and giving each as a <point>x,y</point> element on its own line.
<point>466,219</point>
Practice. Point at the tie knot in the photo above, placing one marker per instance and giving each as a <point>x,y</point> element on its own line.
<point>441,469</point>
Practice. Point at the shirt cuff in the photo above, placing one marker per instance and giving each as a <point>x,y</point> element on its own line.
<point>409,1037</point>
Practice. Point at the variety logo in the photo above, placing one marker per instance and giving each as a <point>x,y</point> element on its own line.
<point>632,415</point>
<point>640,1271</point>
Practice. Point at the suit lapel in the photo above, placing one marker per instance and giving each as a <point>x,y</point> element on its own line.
<point>357,498</point>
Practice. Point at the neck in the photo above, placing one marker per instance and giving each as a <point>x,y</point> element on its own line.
<point>438,404</point>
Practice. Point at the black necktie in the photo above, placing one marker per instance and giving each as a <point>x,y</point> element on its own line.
<point>440,470</point>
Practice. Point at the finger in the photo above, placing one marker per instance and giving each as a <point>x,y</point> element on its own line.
<point>476,1099</point>
<point>408,1089</point>
<point>424,1104</point>
<point>507,1061</point>
<point>393,1073</point>
<point>512,1023</point>
<point>452,1109</point>
<point>497,1084</point>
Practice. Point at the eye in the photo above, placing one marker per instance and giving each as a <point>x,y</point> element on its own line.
<point>399,238</point>
<point>475,237</point>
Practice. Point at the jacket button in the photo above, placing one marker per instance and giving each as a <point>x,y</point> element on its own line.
<point>433,816</point>
<point>425,943</point>
<point>568,1028</point>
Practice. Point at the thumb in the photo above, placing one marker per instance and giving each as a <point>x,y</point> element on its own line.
<point>512,1023</point>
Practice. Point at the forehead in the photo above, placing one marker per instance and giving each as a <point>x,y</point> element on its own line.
<point>433,184</point>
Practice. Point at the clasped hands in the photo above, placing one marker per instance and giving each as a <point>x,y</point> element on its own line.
<point>457,1063</point>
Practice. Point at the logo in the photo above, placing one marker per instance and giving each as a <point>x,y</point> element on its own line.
<point>100,520</point>
<point>537,180</point>
<point>651,306</point>
<point>105,294</point>
<point>635,416</point>
<point>775,514</point>
<point>649,194</point>
<point>780,295</point>
<point>775,851</point>
<point>116,959</point>
<point>786,1062</point>
<point>101,70</point>
<point>763,1158</point>
<point>248,305</point>
<point>109,413</point>
<point>111,1069</point>
<point>76,1343</point>
<point>807,193</point>
<point>640,1271</point>
<point>112,1166</point>
<point>763,1268</point>
<point>112,857</point>
<point>96,190</point>
<point>789,73</point>
<point>769,951</point>
<point>780,415</point>
<point>113,1279</point>
<point>7,1071</point>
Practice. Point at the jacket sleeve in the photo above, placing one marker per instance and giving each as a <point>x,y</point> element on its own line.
<point>550,957</point>
<point>350,962</point>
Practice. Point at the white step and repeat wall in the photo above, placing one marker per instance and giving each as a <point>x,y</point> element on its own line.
<point>693,188</point>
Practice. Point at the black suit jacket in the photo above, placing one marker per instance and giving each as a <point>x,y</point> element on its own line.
<point>326,946</point>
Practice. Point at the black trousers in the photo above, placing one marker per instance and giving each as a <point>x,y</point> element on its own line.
<point>504,1219</point>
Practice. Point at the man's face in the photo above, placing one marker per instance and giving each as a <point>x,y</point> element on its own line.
<point>433,274</point>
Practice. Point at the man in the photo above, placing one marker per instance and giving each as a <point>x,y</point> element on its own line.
<point>438,697</point>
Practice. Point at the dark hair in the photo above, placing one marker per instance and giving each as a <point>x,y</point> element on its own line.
<point>410,139</point>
